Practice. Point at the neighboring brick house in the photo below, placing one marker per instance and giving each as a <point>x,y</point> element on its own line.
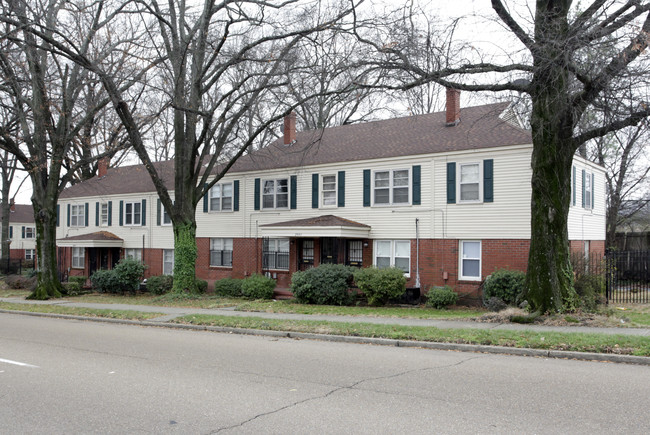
<point>22,232</point>
<point>444,196</point>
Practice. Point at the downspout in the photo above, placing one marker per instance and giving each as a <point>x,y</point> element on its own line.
<point>417,253</point>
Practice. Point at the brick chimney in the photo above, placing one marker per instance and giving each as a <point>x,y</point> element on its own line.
<point>102,166</point>
<point>289,128</point>
<point>12,204</point>
<point>453,107</point>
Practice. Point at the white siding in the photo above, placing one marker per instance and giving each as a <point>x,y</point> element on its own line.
<point>586,223</point>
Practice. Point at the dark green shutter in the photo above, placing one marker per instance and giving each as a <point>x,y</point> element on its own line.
<point>488,180</point>
<point>314,190</point>
<point>110,213</point>
<point>96,214</point>
<point>451,182</point>
<point>593,190</point>
<point>121,213</point>
<point>158,212</point>
<point>205,198</point>
<point>11,232</point>
<point>256,201</point>
<point>573,186</point>
<point>144,212</point>
<point>235,200</point>
<point>294,192</point>
<point>366,187</point>
<point>68,214</point>
<point>86,210</point>
<point>58,213</point>
<point>417,186</point>
<point>583,189</point>
<point>341,189</point>
<point>23,232</point>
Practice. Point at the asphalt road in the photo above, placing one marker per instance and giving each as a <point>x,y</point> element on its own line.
<point>64,376</point>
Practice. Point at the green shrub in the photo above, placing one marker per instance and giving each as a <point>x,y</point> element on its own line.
<point>591,290</point>
<point>130,273</point>
<point>441,297</point>
<point>380,285</point>
<point>106,281</point>
<point>201,286</point>
<point>504,284</point>
<point>327,284</point>
<point>258,287</point>
<point>81,279</point>
<point>229,287</point>
<point>160,284</point>
<point>71,288</point>
<point>495,304</point>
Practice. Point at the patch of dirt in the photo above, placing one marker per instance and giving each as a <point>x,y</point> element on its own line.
<point>572,319</point>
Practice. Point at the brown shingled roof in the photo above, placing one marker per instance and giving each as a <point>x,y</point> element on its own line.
<point>99,235</point>
<point>480,127</point>
<point>320,221</point>
<point>24,213</point>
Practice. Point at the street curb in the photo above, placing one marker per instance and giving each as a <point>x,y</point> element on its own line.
<point>458,347</point>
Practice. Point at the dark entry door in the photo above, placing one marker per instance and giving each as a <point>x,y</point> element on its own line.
<point>93,260</point>
<point>329,248</point>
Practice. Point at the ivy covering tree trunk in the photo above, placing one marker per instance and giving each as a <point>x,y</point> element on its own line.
<point>48,284</point>
<point>185,258</point>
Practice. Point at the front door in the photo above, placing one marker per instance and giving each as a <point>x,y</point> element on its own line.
<point>306,254</point>
<point>329,248</point>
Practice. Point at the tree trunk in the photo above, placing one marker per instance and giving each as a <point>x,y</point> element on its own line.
<point>5,226</point>
<point>185,257</point>
<point>48,285</point>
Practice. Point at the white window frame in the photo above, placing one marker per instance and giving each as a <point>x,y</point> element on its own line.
<point>30,254</point>
<point>217,193</point>
<point>391,187</point>
<point>103,214</point>
<point>134,253</point>
<point>589,190</point>
<point>326,194</point>
<point>132,214</point>
<point>78,258</point>
<point>393,253</point>
<point>274,246</point>
<point>221,246</point>
<point>479,183</point>
<point>275,193</point>
<point>462,257</point>
<point>168,262</point>
<point>77,215</point>
<point>31,231</point>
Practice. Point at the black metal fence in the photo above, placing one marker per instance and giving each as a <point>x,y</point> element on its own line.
<point>12,266</point>
<point>628,277</point>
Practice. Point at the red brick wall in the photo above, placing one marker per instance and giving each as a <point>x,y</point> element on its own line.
<point>17,254</point>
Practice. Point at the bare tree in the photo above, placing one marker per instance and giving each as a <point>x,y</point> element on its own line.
<point>44,90</point>
<point>566,59</point>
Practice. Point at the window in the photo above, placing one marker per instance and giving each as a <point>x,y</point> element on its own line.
<point>470,260</point>
<point>77,215</point>
<point>133,213</point>
<point>30,254</point>
<point>168,261</point>
<point>393,253</point>
<point>589,190</point>
<point>133,253</point>
<point>275,193</point>
<point>221,197</point>
<point>470,183</point>
<point>166,219</point>
<point>78,259</point>
<point>391,187</point>
<point>221,252</point>
<point>329,190</point>
<point>276,254</point>
<point>103,214</point>
<point>30,232</point>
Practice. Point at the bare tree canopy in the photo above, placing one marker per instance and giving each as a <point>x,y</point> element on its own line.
<point>569,58</point>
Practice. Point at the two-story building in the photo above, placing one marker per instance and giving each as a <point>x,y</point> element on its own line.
<point>22,232</point>
<point>443,196</point>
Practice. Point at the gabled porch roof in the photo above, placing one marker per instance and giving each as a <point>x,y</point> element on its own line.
<point>100,239</point>
<point>320,226</point>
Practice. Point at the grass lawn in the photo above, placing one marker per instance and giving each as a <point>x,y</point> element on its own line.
<point>578,342</point>
<point>86,312</point>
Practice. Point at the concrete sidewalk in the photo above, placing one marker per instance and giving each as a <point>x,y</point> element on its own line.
<point>170,313</point>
